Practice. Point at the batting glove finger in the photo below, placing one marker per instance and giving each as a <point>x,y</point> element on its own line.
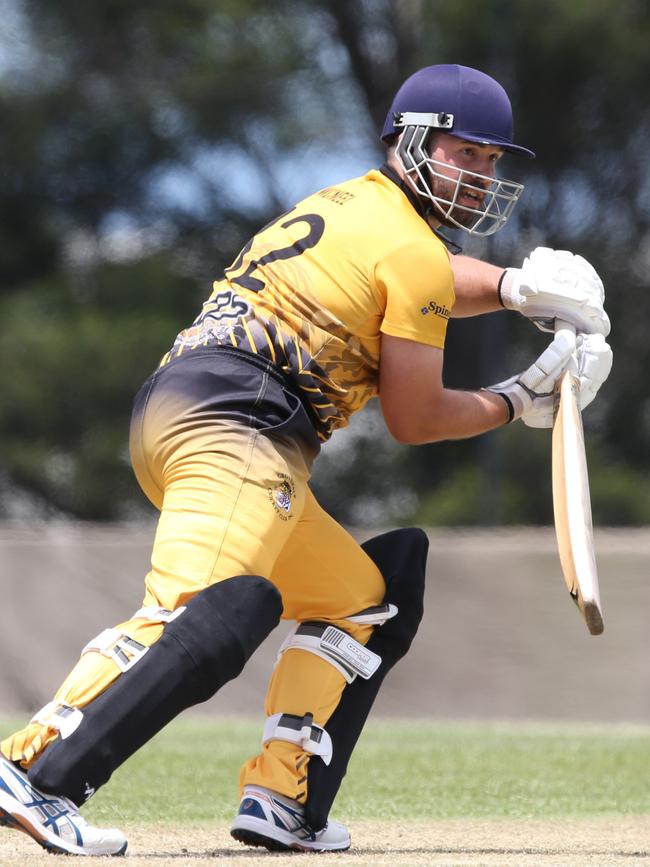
<point>532,391</point>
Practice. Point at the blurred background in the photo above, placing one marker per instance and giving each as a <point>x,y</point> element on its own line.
<point>143,143</point>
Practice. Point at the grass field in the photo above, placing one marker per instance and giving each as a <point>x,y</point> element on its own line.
<point>407,782</point>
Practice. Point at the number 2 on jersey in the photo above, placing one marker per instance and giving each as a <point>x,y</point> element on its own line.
<point>316,227</point>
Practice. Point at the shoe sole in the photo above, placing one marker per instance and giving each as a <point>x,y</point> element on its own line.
<point>250,831</point>
<point>253,838</point>
<point>12,818</point>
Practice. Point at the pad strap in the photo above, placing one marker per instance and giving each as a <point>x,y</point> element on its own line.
<point>120,647</point>
<point>376,615</point>
<point>335,646</point>
<point>299,730</point>
<point>116,645</point>
<point>61,717</point>
<point>157,615</point>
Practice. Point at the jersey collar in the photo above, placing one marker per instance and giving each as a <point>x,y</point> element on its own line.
<point>419,206</point>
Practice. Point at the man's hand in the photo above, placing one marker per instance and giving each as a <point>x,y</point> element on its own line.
<point>530,394</point>
<point>556,284</point>
<point>593,363</point>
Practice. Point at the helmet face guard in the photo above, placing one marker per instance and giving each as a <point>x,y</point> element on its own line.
<point>470,105</point>
<point>496,197</point>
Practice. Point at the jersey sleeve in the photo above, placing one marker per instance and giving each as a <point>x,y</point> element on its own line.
<point>417,284</point>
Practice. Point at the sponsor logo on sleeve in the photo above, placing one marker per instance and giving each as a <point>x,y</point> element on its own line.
<point>436,309</point>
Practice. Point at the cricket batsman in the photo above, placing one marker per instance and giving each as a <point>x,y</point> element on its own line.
<point>343,298</point>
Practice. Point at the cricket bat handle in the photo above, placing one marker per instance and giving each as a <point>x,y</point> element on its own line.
<point>562,325</point>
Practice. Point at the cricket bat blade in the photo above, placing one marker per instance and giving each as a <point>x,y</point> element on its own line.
<point>572,501</point>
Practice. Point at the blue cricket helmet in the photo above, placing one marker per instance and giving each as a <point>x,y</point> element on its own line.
<point>457,100</point>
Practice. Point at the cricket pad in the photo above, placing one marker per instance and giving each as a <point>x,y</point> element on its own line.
<point>198,652</point>
<point>401,557</point>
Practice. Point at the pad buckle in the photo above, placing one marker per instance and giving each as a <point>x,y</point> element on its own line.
<point>122,649</point>
<point>126,652</point>
<point>351,653</point>
<point>62,717</point>
<point>376,615</point>
<point>158,615</point>
<point>300,730</point>
<point>346,654</point>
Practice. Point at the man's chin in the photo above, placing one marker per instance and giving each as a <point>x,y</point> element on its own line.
<point>460,218</point>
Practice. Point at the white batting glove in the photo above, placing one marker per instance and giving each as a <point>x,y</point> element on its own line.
<point>556,284</point>
<point>595,360</point>
<point>531,392</point>
<point>591,363</point>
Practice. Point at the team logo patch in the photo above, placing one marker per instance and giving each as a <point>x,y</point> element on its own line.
<point>282,496</point>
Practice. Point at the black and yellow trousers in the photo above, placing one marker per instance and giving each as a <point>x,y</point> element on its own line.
<point>223,448</point>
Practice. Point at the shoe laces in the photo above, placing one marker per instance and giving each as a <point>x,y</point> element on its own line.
<point>73,811</point>
<point>297,814</point>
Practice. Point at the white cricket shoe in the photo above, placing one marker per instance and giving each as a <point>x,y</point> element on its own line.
<point>54,823</point>
<point>276,822</point>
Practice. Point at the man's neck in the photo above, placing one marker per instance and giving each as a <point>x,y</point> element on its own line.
<point>395,172</point>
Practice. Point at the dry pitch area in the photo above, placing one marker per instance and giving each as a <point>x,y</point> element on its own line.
<point>607,842</point>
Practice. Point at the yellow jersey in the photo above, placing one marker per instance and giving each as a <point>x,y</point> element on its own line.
<point>315,289</point>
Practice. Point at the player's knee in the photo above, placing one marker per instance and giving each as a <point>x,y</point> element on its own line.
<point>401,557</point>
<point>223,626</point>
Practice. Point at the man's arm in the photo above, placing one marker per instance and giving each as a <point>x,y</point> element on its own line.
<point>418,408</point>
<point>476,284</point>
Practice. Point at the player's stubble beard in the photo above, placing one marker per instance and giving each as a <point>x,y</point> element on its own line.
<point>446,190</point>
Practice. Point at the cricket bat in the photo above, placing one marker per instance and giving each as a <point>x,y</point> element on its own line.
<point>571,499</point>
